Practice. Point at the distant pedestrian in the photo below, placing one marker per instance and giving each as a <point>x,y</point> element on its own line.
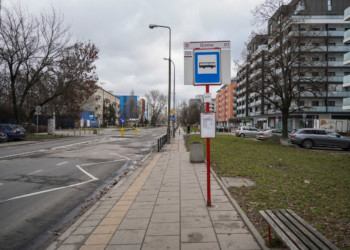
<point>188,129</point>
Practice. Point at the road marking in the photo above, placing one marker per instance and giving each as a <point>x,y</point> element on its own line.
<point>26,153</point>
<point>93,178</point>
<point>62,163</point>
<point>35,172</point>
<point>120,156</point>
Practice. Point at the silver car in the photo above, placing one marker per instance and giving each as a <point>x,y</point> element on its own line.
<point>312,137</point>
<point>246,131</point>
<point>266,134</point>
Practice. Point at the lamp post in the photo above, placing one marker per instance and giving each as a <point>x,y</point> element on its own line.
<point>173,95</point>
<point>152,26</point>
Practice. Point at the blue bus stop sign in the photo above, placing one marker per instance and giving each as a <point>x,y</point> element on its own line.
<point>122,120</point>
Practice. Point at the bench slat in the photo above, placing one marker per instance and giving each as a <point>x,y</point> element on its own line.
<point>324,240</point>
<point>278,228</point>
<point>296,228</point>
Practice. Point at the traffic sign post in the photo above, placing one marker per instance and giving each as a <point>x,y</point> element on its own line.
<point>207,63</point>
<point>122,120</point>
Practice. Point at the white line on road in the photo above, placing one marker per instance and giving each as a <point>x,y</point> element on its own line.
<point>62,163</point>
<point>35,172</point>
<point>93,178</point>
<point>120,156</point>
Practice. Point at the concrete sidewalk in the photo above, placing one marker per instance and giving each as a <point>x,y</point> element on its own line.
<point>163,206</point>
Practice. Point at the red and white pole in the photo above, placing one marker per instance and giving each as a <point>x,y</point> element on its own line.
<point>208,158</point>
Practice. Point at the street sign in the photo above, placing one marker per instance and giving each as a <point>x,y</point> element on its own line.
<point>38,109</point>
<point>171,111</point>
<point>172,117</point>
<point>122,120</point>
<point>207,63</point>
<point>207,97</point>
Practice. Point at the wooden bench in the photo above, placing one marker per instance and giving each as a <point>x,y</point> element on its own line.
<point>294,231</point>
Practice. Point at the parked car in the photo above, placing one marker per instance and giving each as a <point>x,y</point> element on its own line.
<point>311,137</point>
<point>246,131</point>
<point>3,136</point>
<point>266,134</point>
<point>13,131</point>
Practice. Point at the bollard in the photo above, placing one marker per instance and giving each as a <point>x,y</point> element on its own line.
<point>74,132</point>
<point>122,131</point>
<point>136,131</point>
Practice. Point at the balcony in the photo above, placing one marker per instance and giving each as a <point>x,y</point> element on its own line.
<point>98,97</point>
<point>347,59</point>
<point>346,81</point>
<point>346,104</point>
<point>322,109</point>
<point>347,14</point>
<point>346,36</point>
<point>98,106</point>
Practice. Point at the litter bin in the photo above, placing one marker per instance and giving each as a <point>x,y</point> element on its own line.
<point>196,152</point>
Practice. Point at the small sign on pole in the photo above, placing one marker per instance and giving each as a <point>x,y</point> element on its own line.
<point>208,125</point>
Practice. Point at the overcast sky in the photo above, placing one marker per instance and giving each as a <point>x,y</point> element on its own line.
<point>131,54</point>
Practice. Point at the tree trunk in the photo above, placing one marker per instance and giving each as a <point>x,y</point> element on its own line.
<point>285,116</point>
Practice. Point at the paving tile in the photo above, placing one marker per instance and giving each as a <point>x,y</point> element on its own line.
<point>237,241</point>
<point>194,211</point>
<point>83,230</point>
<point>198,235</point>
<point>142,204</point>
<point>195,222</point>
<point>193,203</point>
<point>123,237</point>
<point>123,203</point>
<point>111,221</point>
<point>123,247</point>
<point>169,200</point>
<point>163,208</point>
<point>67,247</point>
<point>169,189</point>
<point>121,207</point>
<point>139,213</point>
<point>134,224</point>
<point>230,227</point>
<point>98,239</point>
<point>163,229</point>
<point>110,229</point>
<point>75,239</point>
<point>90,223</point>
<point>96,216</point>
<point>161,242</point>
<point>201,246</point>
<point>224,215</point>
<point>92,247</point>
<point>152,197</point>
<point>116,214</point>
<point>169,194</point>
<point>165,217</point>
<point>221,207</point>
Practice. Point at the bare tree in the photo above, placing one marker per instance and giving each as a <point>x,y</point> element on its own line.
<point>131,106</point>
<point>286,61</point>
<point>38,65</point>
<point>193,114</point>
<point>157,103</point>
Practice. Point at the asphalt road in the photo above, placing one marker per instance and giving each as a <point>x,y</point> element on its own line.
<point>45,185</point>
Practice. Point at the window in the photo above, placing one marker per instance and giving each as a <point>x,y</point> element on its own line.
<point>329,5</point>
<point>315,73</point>
<point>301,103</point>
<point>302,59</point>
<point>331,58</point>
<point>301,88</point>
<point>331,44</point>
<point>331,73</point>
<point>331,103</point>
<point>315,59</point>
<point>314,103</point>
<point>332,29</point>
<point>346,73</point>
<point>301,74</point>
<point>315,44</point>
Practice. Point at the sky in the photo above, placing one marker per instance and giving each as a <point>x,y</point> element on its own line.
<point>131,54</point>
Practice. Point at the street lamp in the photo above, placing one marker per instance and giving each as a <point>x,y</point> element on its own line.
<point>173,95</point>
<point>152,26</point>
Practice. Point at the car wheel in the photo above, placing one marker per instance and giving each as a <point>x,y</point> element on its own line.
<point>242,135</point>
<point>307,144</point>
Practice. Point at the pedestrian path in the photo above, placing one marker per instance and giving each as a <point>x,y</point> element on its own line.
<point>162,206</point>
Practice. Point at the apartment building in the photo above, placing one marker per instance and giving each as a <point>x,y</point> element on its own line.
<point>97,105</point>
<point>225,104</point>
<point>322,77</point>
<point>346,81</point>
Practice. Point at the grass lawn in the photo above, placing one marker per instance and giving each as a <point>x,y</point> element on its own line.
<point>315,184</point>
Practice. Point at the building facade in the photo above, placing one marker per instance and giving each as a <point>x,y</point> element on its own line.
<point>98,106</point>
<point>226,104</point>
<point>128,107</point>
<point>320,69</point>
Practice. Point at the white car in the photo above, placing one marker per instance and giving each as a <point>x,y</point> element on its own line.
<point>246,131</point>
